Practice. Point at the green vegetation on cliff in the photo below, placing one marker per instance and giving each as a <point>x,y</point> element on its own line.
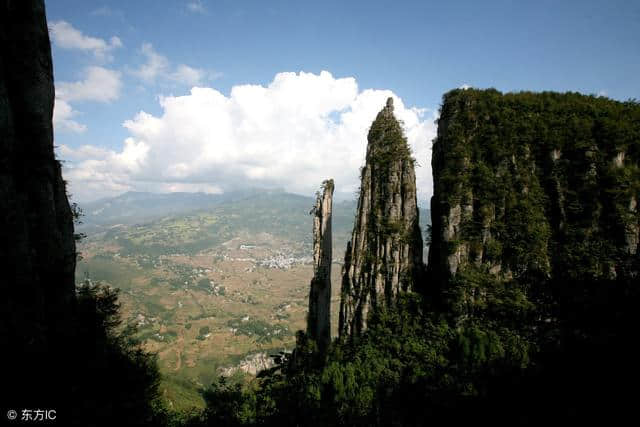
<point>535,238</point>
<point>384,256</point>
<point>527,313</point>
<point>536,184</point>
<point>535,220</point>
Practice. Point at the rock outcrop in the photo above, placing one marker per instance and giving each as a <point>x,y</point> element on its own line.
<point>37,246</point>
<point>252,364</point>
<point>319,320</point>
<point>384,256</point>
<point>533,189</point>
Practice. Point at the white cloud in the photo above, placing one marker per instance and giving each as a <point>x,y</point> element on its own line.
<point>154,66</point>
<point>299,130</point>
<point>196,6</point>
<point>100,84</point>
<point>465,86</point>
<point>65,36</point>
<point>188,75</point>
<point>85,152</point>
<point>603,93</point>
<point>63,117</point>
<point>157,67</point>
<point>97,172</point>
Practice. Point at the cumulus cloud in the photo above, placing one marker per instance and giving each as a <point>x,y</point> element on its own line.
<point>188,75</point>
<point>65,36</point>
<point>154,66</point>
<point>97,172</point>
<point>63,117</point>
<point>299,130</point>
<point>100,84</point>
<point>157,67</point>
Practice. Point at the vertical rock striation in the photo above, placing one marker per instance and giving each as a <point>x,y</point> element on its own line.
<point>319,320</point>
<point>37,245</point>
<point>384,256</point>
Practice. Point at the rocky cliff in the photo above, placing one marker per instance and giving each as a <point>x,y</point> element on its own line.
<point>535,190</point>
<point>37,246</point>
<point>318,320</point>
<point>384,256</point>
<point>251,364</point>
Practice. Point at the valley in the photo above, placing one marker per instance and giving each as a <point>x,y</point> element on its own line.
<point>211,292</point>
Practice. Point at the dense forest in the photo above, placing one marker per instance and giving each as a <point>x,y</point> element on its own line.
<point>524,315</point>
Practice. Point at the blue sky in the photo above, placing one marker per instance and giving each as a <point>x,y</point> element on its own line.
<point>414,51</point>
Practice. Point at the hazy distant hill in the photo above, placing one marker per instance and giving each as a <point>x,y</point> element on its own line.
<point>133,206</point>
<point>219,217</point>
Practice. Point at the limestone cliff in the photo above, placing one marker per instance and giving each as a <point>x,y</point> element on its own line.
<point>37,246</point>
<point>535,190</point>
<point>318,320</point>
<point>384,256</point>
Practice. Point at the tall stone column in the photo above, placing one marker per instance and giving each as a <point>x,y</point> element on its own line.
<point>319,320</point>
<point>384,256</point>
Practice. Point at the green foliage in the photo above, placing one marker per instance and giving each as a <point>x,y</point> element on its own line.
<point>228,404</point>
<point>390,144</point>
<point>258,329</point>
<point>537,324</point>
<point>405,360</point>
<point>543,175</point>
<point>77,214</point>
<point>94,371</point>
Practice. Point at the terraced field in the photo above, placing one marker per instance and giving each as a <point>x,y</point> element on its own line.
<point>214,291</point>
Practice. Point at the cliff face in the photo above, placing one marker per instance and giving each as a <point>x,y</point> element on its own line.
<point>318,320</point>
<point>37,245</point>
<point>384,256</point>
<point>532,190</point>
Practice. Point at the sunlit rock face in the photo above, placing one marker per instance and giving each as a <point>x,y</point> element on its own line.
<point>384,256</point>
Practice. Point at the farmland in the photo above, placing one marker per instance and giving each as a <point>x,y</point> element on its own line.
<point>213,291</point>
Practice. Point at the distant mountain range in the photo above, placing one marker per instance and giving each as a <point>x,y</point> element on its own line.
<point>134,206</point>
<point>269,209</point>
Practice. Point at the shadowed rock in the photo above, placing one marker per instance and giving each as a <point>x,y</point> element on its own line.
<point>37,246</point>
